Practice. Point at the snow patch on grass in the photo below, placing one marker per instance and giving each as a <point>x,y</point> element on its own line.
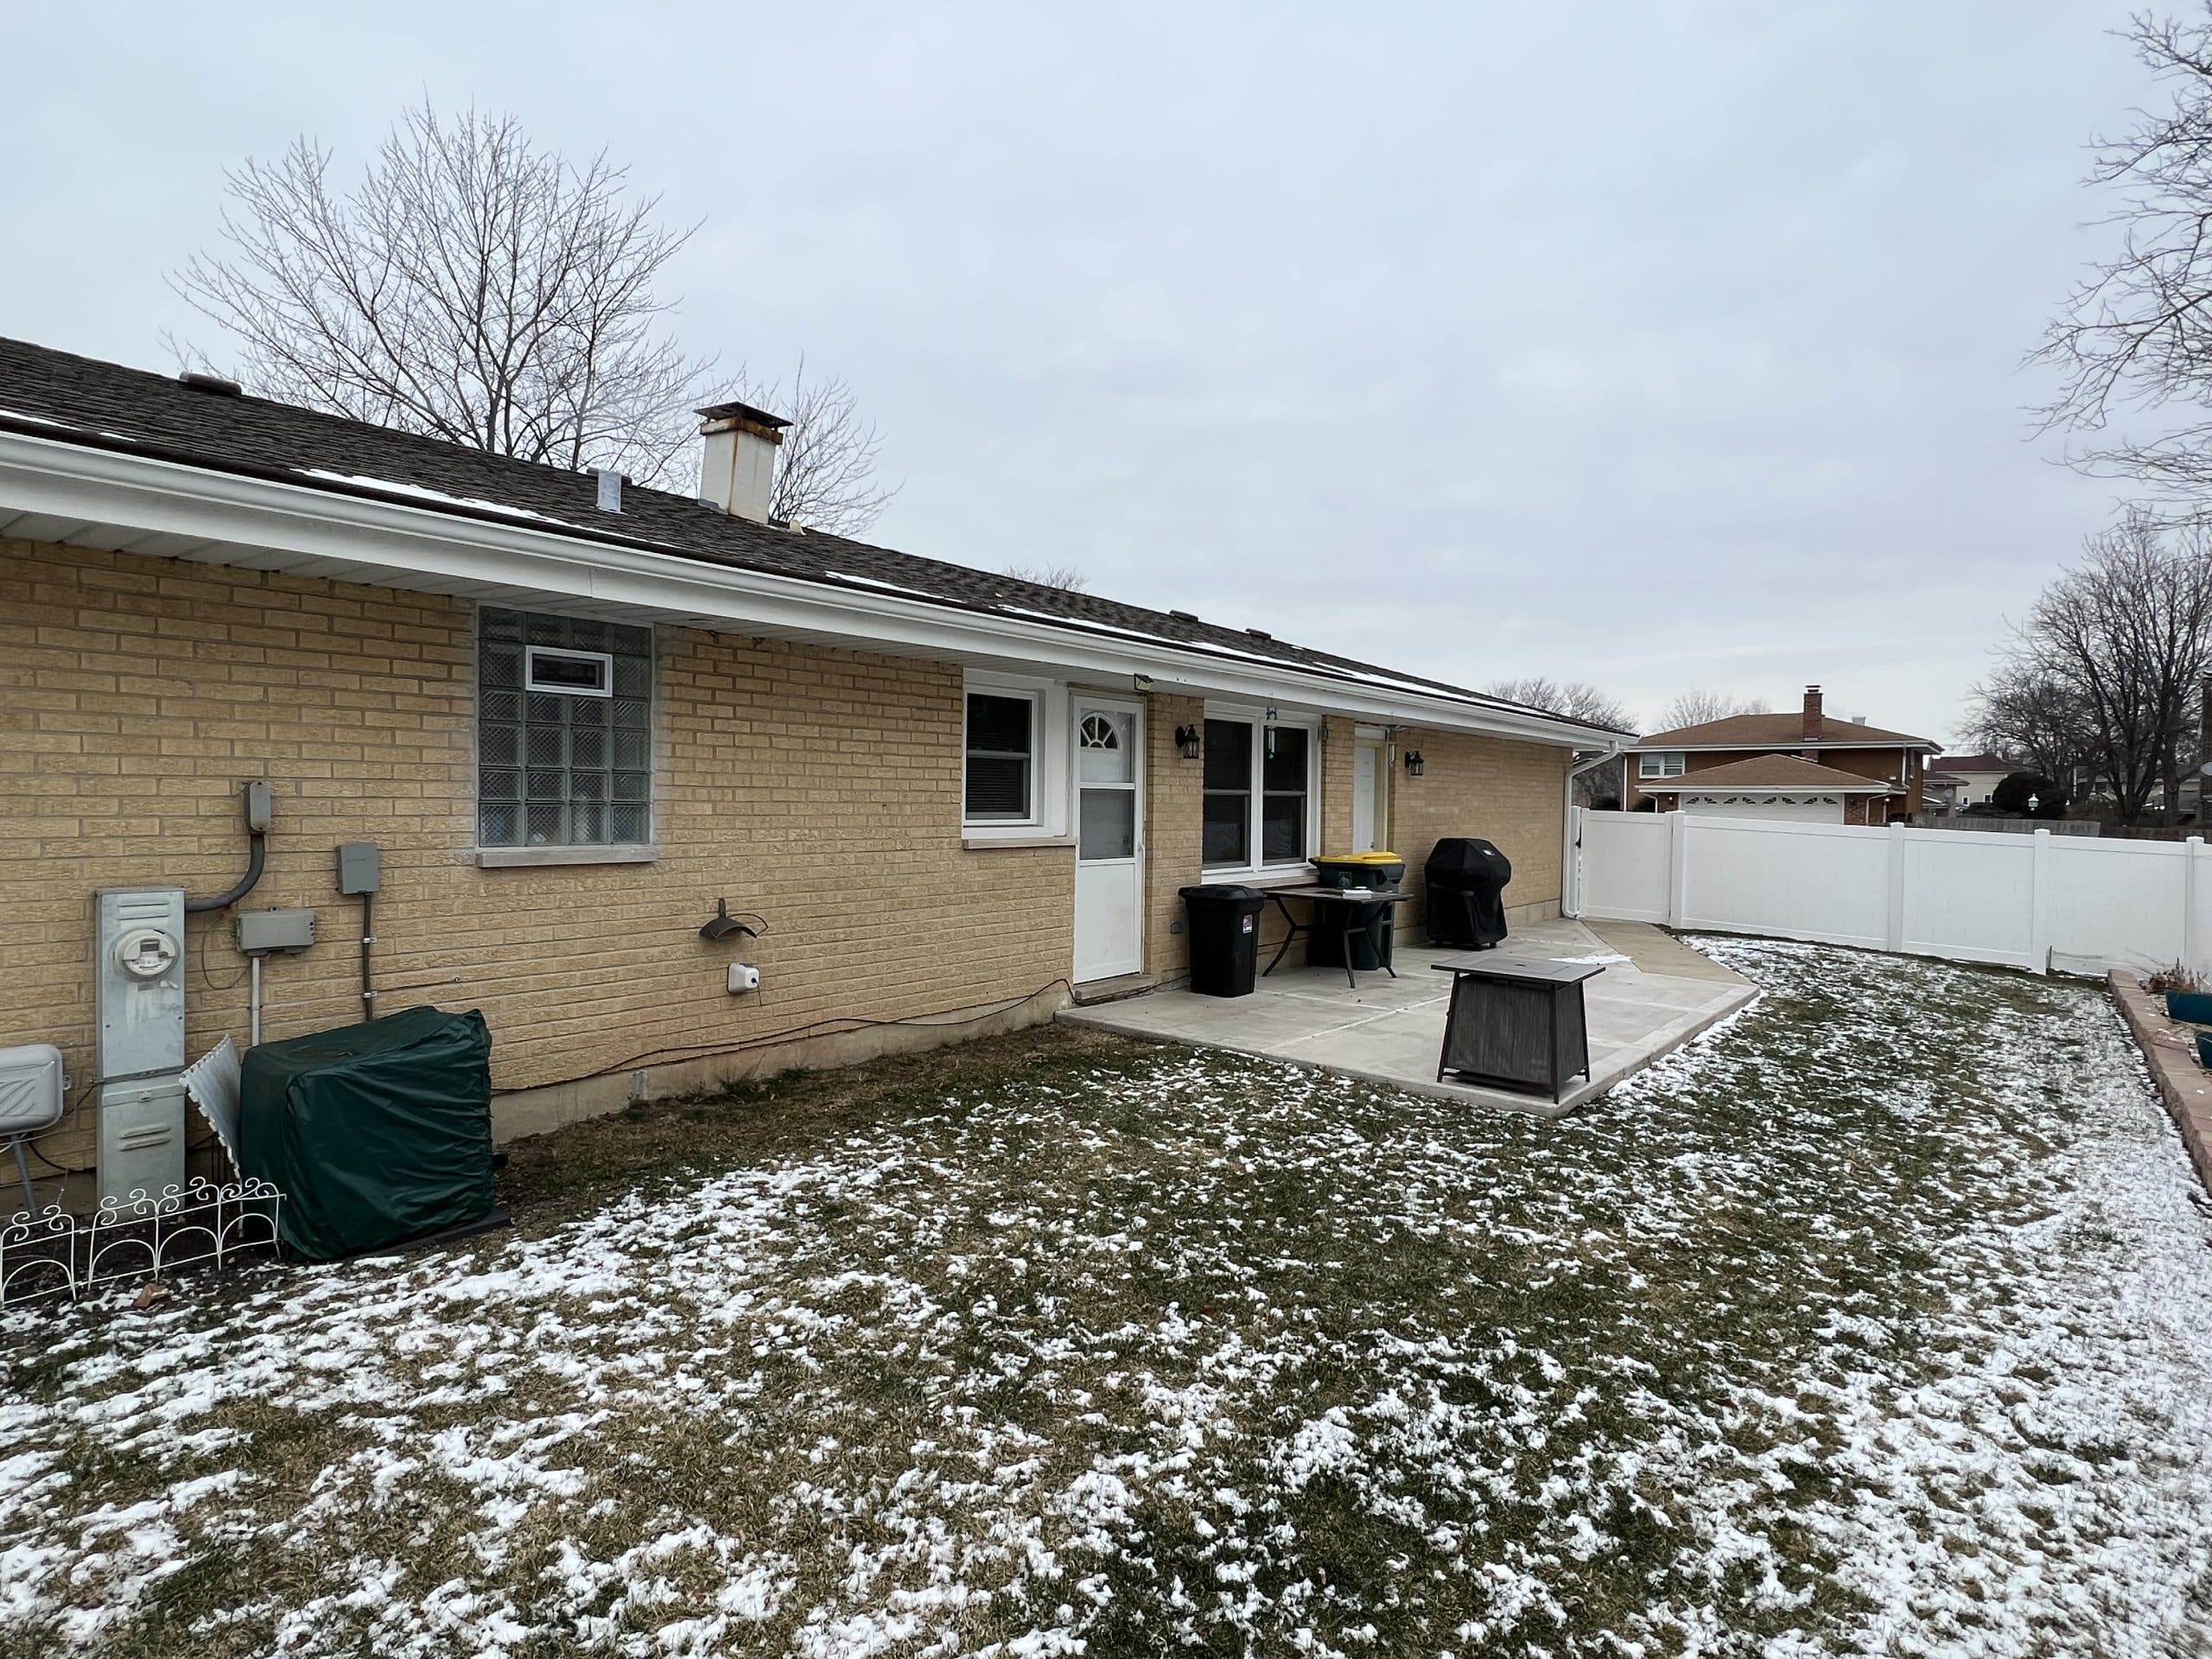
<point>1876,1320</point>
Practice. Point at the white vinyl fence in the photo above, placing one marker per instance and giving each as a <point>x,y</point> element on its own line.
<point>2052,904</point>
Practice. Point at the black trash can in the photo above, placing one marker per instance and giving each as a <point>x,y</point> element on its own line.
<point>1370,940</point>
<point>1225,939</point>
<point>1465,881</point>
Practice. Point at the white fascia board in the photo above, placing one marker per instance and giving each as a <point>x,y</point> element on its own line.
<point>372,540</point>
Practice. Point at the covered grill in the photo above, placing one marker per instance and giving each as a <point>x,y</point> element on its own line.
<point>1465,881</point>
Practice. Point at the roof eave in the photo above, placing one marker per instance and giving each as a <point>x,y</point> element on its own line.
<point>175,508</point>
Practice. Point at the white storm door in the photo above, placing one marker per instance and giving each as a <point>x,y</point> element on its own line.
<point>1109,839</point>
<point>1366,777</point>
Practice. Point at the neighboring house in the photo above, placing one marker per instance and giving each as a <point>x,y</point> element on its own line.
<point>1806,765</point>
<point>1940,791</point>
<point>1970,779</point>
<point>577,715</point>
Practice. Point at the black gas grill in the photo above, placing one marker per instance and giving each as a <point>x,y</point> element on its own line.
<point>1465,882</point>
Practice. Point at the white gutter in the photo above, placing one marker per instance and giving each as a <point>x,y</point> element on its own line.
<point>360,537</point>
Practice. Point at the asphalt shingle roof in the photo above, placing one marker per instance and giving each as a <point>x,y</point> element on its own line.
<point>107,405</point>
<point>1764,771</point>
<point>1777,731</point>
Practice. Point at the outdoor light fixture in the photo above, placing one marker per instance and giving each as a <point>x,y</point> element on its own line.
<point>1187,742</point>
<point>1415,765</point>
<point>722,924</point>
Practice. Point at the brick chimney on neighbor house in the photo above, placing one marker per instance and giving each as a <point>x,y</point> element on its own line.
<point>737,468</point>
<point>1812,713</point>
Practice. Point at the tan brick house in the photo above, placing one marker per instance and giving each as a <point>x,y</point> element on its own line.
<point>574,717</point>
<point>1806,765</point>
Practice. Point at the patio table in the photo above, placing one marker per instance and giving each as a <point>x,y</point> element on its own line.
<point>1347,912</point>
<point>1516,1021</point>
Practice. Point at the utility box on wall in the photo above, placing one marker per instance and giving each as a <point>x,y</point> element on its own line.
<point>138,977</point>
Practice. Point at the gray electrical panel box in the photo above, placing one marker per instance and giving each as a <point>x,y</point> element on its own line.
<point>357,866</point>
<point>138,973</point>
<point>260,931</point>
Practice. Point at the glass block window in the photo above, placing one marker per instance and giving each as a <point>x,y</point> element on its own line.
<point>564,748</point>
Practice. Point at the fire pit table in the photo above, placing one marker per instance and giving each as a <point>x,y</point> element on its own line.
<point>1517,1022</point>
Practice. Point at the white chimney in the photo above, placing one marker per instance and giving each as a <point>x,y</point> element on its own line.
<point>738,469</point>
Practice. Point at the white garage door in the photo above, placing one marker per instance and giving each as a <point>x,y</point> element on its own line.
<point>1797,809</point>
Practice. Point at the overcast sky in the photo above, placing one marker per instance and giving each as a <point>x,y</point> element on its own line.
<point>1655,345</point>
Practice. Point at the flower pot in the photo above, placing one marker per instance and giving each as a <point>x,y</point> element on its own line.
<point>2191,1008</point>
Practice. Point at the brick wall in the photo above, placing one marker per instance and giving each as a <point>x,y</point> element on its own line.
<point>817,787</point>
<point>1513,794</point>
<point>1172,791</point>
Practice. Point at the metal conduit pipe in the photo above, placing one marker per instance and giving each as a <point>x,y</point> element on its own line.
<point>256,824</point>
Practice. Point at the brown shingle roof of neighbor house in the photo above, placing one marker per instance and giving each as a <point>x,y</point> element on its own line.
<point>50,394</point>
<point>1765,772</point>
<point>1971,763</point>
<point>1781,732</point>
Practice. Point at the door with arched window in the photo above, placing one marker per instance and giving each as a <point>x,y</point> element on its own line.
<point>1110,838</point>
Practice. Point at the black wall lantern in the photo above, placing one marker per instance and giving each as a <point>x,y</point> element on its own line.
<point>1187,742</point>
<point>1415,765</point>
<point>722,924</point>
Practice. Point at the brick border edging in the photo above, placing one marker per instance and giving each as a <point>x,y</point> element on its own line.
<point>2184,1085</point>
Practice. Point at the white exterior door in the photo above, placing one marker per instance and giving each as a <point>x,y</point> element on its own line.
<point>1109,839</point>
<point>1367,829</point>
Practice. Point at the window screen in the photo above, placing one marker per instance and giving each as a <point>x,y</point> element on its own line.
<point>558,768</point>
<point>1001,739</point>
<point>1283,805</point>
<point>1226,837</point>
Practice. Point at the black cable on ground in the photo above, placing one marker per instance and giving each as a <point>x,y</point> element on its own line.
<point>677,1052</point>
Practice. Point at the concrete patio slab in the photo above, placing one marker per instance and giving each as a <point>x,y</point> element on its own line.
<point>1656,994</point>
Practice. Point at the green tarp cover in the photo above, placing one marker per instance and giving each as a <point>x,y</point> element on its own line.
<point>375,1134</point>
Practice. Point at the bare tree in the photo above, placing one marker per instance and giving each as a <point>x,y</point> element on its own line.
<point>1576,699</point>
<point>825,472</point>
<point>1700,707</point>
<point>476,290</point>
<point>2024,713</point>
<point>2123,640</point>
<point>2138,333</point>
<point>1065,577</point>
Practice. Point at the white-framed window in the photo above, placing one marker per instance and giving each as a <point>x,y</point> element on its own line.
<point>1660,763</point>
<point>1014,765</point>
<point>565,742</point>
<point>568,673</point>
<point>999,778</point>
<point>1259,791</point>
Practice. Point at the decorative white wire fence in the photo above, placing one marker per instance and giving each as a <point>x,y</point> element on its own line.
<point>56,1256</point>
